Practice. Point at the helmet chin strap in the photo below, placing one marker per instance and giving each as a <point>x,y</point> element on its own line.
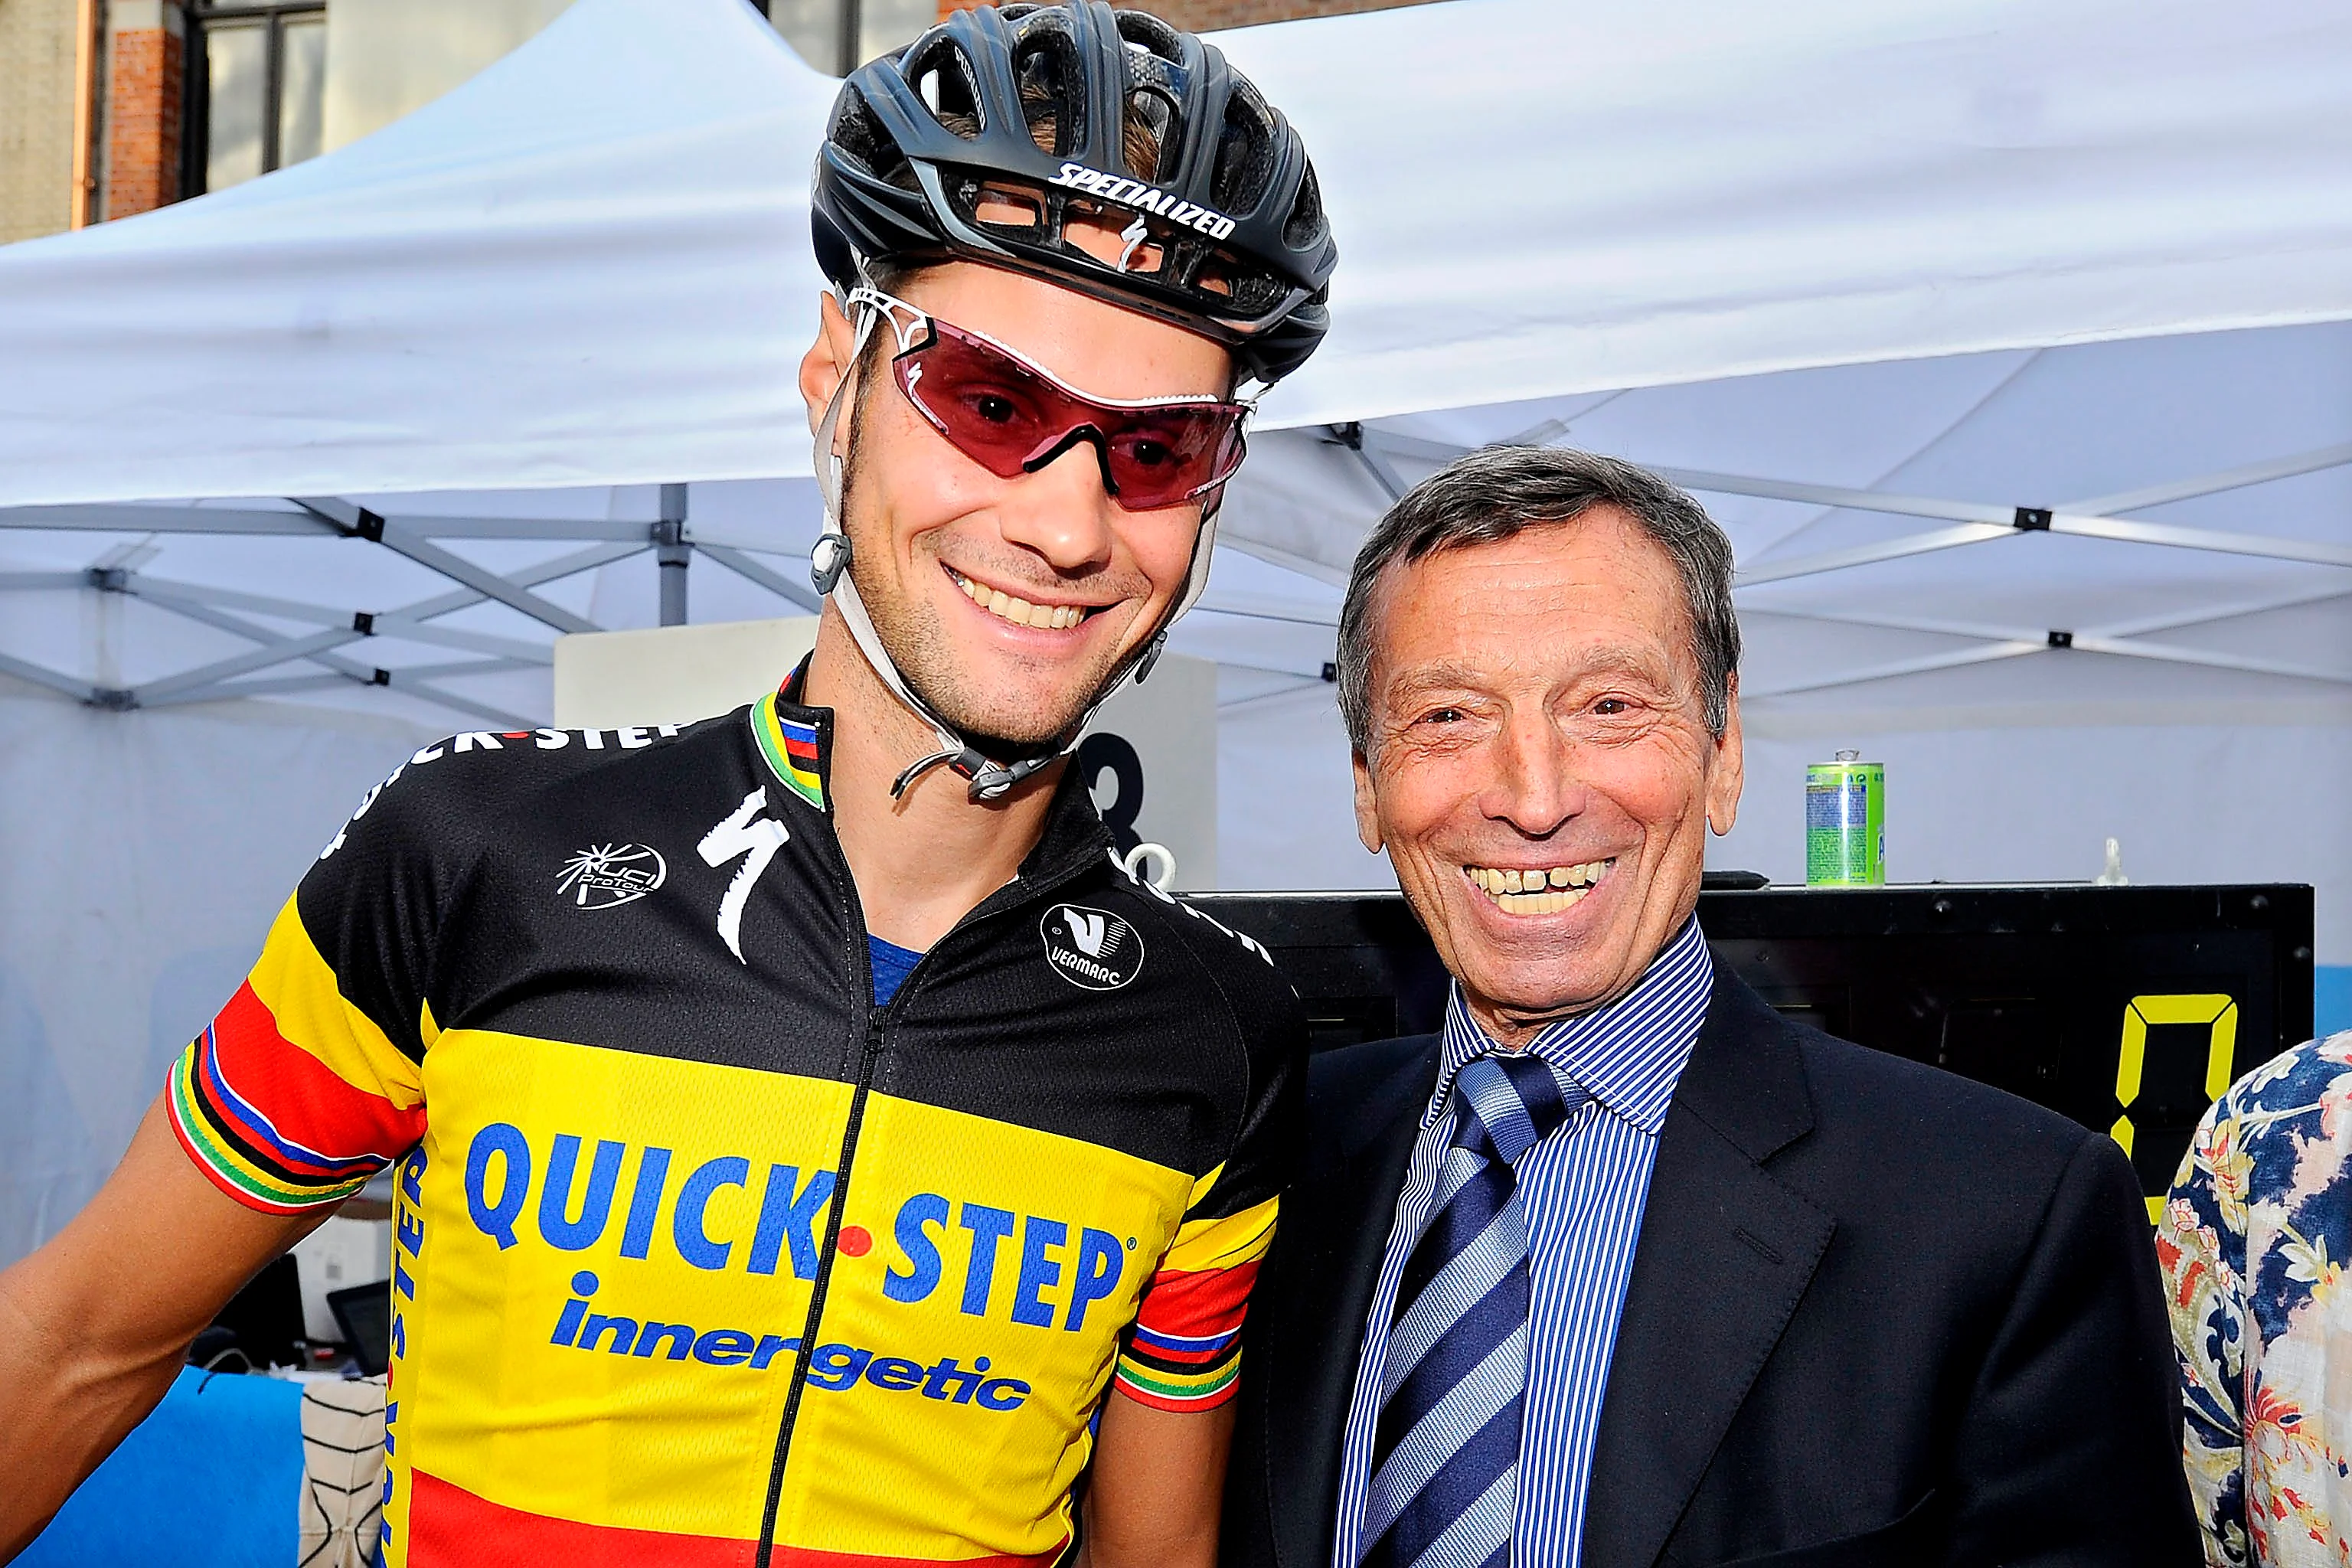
<point>829,571</point>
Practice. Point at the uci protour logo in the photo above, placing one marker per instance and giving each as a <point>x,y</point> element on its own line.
<point>605,875</point>
<point>1091,948</point>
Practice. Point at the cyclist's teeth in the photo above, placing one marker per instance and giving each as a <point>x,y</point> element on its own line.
<point>1019,612</point>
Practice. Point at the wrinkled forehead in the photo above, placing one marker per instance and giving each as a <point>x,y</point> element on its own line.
<point>1594,593</point>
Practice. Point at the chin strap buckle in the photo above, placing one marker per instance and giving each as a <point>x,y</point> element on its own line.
<point>1151,652</point>
<point>828,560</point>
<point>988,779</point>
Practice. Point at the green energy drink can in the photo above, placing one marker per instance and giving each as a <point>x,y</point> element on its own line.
<point>1846,823</point>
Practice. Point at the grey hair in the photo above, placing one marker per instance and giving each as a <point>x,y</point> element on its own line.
<point>1495,493</point>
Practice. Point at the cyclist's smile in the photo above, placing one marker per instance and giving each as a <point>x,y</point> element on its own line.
<point>1041,610</point>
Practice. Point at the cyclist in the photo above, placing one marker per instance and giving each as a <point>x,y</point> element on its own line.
<point>809,1143</point>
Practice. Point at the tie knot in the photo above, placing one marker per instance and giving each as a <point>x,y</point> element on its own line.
<point>1506,1105</point>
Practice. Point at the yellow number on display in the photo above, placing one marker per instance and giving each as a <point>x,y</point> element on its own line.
<point>2218,1012</point>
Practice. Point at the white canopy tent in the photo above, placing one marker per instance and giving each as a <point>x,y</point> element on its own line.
<point>2009,340</point>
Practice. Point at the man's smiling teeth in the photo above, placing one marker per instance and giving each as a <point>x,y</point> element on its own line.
<point>1541,891</point>
<point>1019,612</point>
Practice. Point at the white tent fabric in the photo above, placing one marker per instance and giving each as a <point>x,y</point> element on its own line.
<point>1869,279</point>
<point>587,266</point>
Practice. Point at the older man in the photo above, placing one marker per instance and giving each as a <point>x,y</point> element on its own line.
<point>1623,1267</point>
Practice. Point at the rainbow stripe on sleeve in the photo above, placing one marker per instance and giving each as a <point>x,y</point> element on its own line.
<point>238,1147</point>
<point>1185,1350</point>
<point>293,1099</point>
<point>792,749</point>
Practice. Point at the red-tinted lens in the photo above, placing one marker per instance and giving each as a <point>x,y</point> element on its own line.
<point>1009,417</point>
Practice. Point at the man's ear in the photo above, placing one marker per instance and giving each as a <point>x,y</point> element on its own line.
<point>1368,813</point>
<point>1728,770</point>
<point>828,363</point>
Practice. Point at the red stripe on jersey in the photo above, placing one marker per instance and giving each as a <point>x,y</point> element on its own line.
<point>449,1527</point>
<point>1198,1306</point>
<point>306,1101</point>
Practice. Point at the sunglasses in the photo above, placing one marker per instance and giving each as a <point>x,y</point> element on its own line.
<point>1013,419</point>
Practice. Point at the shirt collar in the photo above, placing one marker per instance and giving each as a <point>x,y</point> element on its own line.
<point>795,741</point>
<point>1627,1055</point>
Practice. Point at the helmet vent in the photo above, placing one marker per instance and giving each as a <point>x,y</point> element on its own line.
<point>1306,224</point>
<point>1146,142</point>
<point>858,133</point>
<point>1001,205</point>
<point>1145,33</point>
<point>944,79</point>
<point>1244,152</point>
<point>1049,82</point>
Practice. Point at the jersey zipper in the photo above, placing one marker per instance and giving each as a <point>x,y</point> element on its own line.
<point>871,1039</point>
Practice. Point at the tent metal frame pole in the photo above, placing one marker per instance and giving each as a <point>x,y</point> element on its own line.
<point>2124,640</point>
<point>2093,519</point>
<point>279,651</point>
<point>393,624</point>
<point>401,540</point>
<point>328,517</point>
<point>800,596</point>
<point>1925,664</point>
<point>55,680</point>
<point>672,553</point>
<point>1353,436</point>
<point>1927,544</point>
<point>132,518</point>
<point>2261,473</point>
<point>279,685</point>
<point>412,677</point>
<point>1305,683</point>
<point>2167,621</point>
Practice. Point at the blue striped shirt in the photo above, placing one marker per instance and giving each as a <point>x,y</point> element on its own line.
<point>1583,1188</point>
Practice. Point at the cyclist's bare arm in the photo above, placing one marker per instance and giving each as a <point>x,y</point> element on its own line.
<point>1157,1485</point>
<point>93,1326</point>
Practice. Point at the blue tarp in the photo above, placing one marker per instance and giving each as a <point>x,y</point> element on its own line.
<point>212,1480</point>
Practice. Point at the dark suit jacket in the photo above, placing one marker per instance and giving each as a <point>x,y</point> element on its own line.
<point>1878,1314</point>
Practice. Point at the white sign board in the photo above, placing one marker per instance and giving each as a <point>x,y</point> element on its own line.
<point>1149,757</point>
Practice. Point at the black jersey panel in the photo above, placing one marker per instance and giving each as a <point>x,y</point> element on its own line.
<point>719,932</point>
<point>375,901</point>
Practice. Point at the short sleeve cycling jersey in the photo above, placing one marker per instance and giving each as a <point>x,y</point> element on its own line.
<point>700,1257</point>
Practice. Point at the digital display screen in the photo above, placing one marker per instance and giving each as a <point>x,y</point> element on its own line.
<point>2127,1009</point>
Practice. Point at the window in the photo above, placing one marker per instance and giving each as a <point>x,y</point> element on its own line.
<point>839,36</point>
<point>257,81</point>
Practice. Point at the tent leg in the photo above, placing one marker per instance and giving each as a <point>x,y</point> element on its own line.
<point>674,554</point>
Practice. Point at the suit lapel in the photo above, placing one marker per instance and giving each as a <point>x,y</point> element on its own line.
<point>1334,1229</point>
<point>1726,1252</point>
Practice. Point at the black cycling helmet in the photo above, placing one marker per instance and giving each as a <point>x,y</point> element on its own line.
<point>1225,230</point>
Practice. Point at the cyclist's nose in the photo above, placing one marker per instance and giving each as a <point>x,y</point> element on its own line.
<point>1062,510</point>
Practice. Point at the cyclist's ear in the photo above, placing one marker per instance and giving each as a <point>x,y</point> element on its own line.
<point>827,362</point>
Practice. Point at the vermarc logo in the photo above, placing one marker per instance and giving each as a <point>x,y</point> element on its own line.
<point>1091,948</point>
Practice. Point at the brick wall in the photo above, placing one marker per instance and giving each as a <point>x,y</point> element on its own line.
<point>36,112</point>
<point>144,78</point>
<point>1207,15</point>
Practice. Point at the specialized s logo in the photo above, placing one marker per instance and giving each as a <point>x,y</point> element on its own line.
<point>605,876</point>
<point>1091,948</point>
<point>755,838</point>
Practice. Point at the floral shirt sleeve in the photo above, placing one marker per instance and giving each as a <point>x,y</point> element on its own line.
<point>2254,1241</point>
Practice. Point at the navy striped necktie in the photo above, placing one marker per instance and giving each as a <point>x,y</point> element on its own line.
<point>1445,1453</point>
